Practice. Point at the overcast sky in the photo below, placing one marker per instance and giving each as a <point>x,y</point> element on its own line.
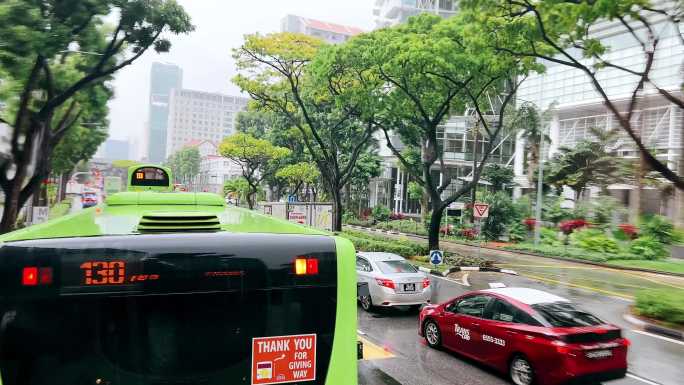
<point>205,55</point>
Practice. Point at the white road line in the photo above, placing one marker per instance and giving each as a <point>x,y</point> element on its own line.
<point>452,280</point>
<point>659,337</point>
<point>635,377</point>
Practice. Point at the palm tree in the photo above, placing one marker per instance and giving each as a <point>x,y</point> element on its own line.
<point>528,121</point>
<point>589,162</point>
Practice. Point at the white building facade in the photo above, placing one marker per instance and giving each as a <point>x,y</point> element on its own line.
<point>198,115</point>
<point>392,12</point>
<point>574,106</point>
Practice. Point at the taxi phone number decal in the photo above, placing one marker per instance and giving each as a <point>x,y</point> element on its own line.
<point>283,359</point>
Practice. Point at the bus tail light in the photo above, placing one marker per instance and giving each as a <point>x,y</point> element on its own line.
<point>34,276</point>
<point>306,266</point>
<point>388,283</point>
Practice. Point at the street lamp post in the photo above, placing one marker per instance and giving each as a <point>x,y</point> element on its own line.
<point>540,185</point>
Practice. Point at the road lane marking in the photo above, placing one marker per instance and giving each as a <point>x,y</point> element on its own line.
<point>654,281</point>
<point>611,293</point>
<point>595,280</point>
<point>464,280</point>
<point>659,337</point>
<point>635,377</point>
<point>551,266</point>
<point>372,351</point>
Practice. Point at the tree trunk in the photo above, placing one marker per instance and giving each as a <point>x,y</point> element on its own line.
<point>435,223</point>
<point>337,209</point>
<point>13,202</point>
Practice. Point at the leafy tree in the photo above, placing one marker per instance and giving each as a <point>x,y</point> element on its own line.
<point>562,32</point>
<point>253,155</point>
<point>277,71</point>
<point>411,77</point>
<point>185,164</point>
<point>48,85</point>
<point>499,176</point>
<point>298,175</point>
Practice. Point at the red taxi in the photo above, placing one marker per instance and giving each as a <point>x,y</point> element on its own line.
<point>534,336</point>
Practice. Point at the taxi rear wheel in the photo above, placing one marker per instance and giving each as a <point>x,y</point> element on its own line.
<point>521,371</point>
<point>433,337</point>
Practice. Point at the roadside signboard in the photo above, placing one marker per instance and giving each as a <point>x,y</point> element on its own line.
<point>436,257</point>
<point>283,359</point>
<point>481,210</point>
<point>40,214</point>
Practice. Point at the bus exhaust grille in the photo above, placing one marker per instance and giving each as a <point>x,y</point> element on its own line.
<point>160,223</point>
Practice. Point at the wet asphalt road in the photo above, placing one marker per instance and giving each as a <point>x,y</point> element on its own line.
<point>652,360</point>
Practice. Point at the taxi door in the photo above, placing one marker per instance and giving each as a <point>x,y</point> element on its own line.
<point>498,335</point>
<point>465,324</point>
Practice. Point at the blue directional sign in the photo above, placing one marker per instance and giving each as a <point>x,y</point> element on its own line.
<point>436,257</point>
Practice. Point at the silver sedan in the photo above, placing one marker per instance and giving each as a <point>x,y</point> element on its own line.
<point>392,281</point>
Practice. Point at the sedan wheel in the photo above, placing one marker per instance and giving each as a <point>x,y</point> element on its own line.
<point>521,371</point>
<point>366,302</point>
<point>432,334</point>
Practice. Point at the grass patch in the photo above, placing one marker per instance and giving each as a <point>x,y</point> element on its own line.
<point>60,209</point>
<point>665,305</point>
<point>670,265</point>
<point>563,252</point>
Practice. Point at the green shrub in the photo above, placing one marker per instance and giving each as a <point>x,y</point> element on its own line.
<point>662,304</point>
<point>404,226</point>
<point>562,252</point>
<point>381,213</point>
<point>549,237</point>
<point>648,247</point>
<point>368,242</point>
<point>501,213</point>
<point>659,228</point>
<point>517,232</point>
<point>594,240</point>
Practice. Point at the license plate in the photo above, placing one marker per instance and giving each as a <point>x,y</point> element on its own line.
<point>409,287</point>
<point>599,354</point>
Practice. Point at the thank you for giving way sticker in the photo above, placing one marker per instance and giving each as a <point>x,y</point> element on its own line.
<point>283,359</point>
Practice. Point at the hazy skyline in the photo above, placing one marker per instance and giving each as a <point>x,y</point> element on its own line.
<point>205,54</point>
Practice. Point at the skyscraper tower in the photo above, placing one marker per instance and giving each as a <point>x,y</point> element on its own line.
<point>164,77</point>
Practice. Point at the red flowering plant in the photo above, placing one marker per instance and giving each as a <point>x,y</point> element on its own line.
<point>366,213</point>
<point>631,231</point>
<point>571,225</point>
<point>397,216</point>
<point>529,222</point>
<point>469,233</point>
<point>447,230</point>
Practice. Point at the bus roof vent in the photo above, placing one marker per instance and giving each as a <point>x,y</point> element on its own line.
<point>178,222</point>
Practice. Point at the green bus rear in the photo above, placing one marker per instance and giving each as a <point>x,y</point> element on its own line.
<point>154,287</point>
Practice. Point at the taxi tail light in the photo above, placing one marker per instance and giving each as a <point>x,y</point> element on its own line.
<point>426,283</point>
<point>34,276</point>
<point>388,283</point>
<point>626,342</point>
<point>561,347</point>
<point>306,266</point>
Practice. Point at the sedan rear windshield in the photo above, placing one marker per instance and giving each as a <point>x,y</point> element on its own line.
<point>396,267</point>
<point>565,314</point>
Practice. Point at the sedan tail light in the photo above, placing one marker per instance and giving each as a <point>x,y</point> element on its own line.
<point>388,283</point>
<point>426,283</point>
